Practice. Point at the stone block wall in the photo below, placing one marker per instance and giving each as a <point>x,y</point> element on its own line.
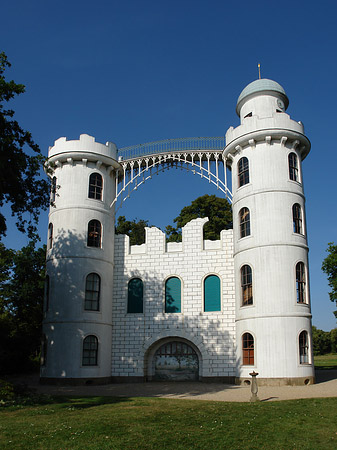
<point>212,334</point>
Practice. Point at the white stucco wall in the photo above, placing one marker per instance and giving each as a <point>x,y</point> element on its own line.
<point>70,260</point>
<point>272,249</point>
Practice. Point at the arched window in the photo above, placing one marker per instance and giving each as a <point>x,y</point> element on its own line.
<point>212,296</point>
<point>94,233</point>
<point>44,343</point>
<point>50,236</point>
<point>46,292</point>
<point>135,296</point>
<point>247,350</point>
<point>244,216</point>
<point>90,351</point>
<point>297,219</point>
<point>92,292</point>
<point>173,295</point>
<point>246,286</point>
<point>53,190</point>
<point>293,167</point>
<point>304,348</point>
<point>243,171</point>
<point>95,186</point>
<point>300,283</point>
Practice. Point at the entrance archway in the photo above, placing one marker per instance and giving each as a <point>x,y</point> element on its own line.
<point>176,361</point>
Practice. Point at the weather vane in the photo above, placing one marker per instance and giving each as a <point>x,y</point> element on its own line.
<point>259,66</point>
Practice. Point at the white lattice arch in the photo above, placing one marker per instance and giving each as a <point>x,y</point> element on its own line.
<point>210,166</point>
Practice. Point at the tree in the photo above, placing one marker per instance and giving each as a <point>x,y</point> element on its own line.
<point>321,341</point>
<point>21,305</point>
<point>20,164</point>
<point>134,229</point>
<point>217,209</point>
<point>333,337</point>
<point>329,266</point>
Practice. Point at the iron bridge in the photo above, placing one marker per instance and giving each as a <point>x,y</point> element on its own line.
<point>203,156</point>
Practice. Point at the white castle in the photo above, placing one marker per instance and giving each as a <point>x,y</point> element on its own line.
<point>195,310</point>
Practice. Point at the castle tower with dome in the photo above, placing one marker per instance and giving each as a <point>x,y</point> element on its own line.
<point>193,310</point>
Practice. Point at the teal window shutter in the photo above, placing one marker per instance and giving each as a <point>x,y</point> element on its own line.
<point>212,297</point>
<point>173,295</point>
<point>135,296</point>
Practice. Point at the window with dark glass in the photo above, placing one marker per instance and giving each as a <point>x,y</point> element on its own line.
<point>244,222</point>
<point>43,359</point>
<point>94,233</point>
<point>135,296</point>
<point>90,351</point>
<point>297,219</point>
<point>246,286</point>
<point>243,171</point>
<point>95,186</point>
<point>212,296</point>
<point>173,295</point>
<point>46,292</point>
<point>92,292</point>
<point>300,282</point>
<point>53,189</point>
<point>293,167</point>
<point>247,349</point>
<point>304,348</point>
<point>50,236</point>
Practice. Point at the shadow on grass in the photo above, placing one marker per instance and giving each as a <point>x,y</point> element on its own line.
<point>323,374</point>
<point>77,403</point>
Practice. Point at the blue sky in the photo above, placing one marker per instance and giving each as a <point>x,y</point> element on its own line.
<point>136,71</point>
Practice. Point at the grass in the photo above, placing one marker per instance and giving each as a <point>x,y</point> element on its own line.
<point>151,423</point>
<point>328,361</point>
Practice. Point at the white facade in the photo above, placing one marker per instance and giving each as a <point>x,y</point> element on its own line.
<point>262,320</point>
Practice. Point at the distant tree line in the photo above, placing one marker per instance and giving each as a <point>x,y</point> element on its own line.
<point>324,341</point>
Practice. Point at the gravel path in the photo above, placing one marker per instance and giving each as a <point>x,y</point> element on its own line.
<point>326,386</point>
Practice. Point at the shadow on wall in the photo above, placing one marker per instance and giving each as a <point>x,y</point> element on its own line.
<point>63,260</point>
<point>204,332</point>
<point>69,261</point>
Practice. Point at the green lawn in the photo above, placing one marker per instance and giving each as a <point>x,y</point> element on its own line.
<point>328,361</point>
<point>147,423</point>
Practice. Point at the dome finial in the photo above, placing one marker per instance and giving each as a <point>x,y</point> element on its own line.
<point>259,67</point>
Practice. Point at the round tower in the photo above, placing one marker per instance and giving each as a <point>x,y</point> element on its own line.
<point>80,249</point>
<point>273,315</point>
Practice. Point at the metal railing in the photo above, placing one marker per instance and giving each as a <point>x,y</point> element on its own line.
<point>173,145</point>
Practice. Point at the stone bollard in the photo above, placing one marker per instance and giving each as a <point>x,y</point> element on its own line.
<point>254,389</point>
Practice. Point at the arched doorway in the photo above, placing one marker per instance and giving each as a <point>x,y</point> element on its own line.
<point>176,361</point>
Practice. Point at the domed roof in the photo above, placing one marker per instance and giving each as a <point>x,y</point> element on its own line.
<point>263,85</point>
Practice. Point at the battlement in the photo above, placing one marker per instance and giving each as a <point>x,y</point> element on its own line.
<point>192,241</point>
<point>254,123</point>
<point>85,144</point>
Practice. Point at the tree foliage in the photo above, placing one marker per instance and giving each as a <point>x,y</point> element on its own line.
<point>21,305</point>
<point>218,210</point>
<point>324,341</point>
<point>133,228</point>
<point>329,266</point>
<point>20,163</point>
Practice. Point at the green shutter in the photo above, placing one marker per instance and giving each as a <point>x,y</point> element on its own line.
<point>212,298</point>
<point>135,296</point>
<point>173,295</point>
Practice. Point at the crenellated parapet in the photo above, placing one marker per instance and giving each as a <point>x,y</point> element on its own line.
<point>192,241</point>
<point>279,129</point>
<point>83,150</point>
